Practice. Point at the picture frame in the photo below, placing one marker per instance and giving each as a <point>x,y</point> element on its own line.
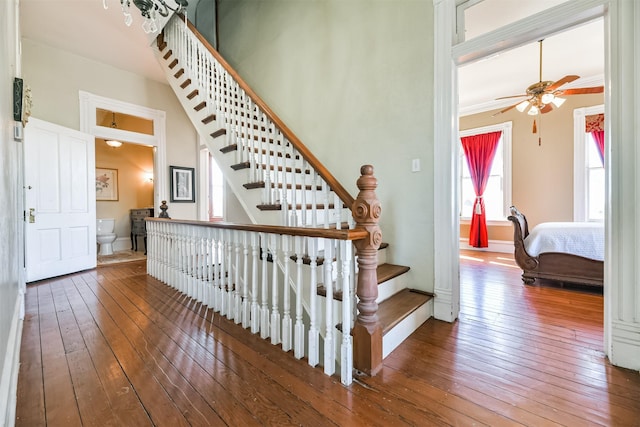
<point>183,184</point>
<point>106,184</point>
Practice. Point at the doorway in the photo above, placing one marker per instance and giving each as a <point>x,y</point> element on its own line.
<point>134,137</point>
<point>447,58</point>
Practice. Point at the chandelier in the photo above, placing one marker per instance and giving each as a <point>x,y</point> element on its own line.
<point>149,9</point>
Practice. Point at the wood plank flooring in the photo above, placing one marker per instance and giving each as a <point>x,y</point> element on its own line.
<point>114,347</point>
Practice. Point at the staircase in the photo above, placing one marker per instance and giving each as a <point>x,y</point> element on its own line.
<point>275,177</point>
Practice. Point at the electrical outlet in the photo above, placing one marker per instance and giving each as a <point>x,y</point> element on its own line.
<point>415,165</point>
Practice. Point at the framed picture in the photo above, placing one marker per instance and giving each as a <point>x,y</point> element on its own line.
<point>183,182</point>
<point>106,184</point>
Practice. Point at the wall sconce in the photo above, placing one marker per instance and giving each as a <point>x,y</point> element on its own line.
<point>148,176</point>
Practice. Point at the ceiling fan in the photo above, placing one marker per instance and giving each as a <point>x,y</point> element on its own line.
<point>544,95</point>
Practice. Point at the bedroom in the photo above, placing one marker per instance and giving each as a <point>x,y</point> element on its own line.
<point>545,173</point>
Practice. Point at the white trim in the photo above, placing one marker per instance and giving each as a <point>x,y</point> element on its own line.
<point>88,105</point>
<point>502,246</point>
<point>446,233</point>
<point>9,379</point>
<point>203,181</point>
<point>579,160</point>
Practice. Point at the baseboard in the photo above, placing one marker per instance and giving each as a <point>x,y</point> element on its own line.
<point>123,243</point>
<point>503,246</point>
<point>9,379</point>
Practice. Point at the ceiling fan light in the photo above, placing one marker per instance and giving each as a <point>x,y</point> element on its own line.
<point>113,143</point>
<point>547,98</point>
<point>522,106</point>
<point>558,101</point>
<point>533,111</point>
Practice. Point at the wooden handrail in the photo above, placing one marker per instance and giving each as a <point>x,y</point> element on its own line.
<point>333,183</point>
<point>353,234</point>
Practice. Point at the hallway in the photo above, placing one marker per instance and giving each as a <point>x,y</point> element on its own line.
<point>113,346</point>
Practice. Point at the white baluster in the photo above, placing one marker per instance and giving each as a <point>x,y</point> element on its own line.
<point>210,268</point>
<point>303,177</point>
<point>314,333</point>
<point>346,356</point>
<point>299,327</point>
<point>230,275</point>
<point>293,222</point>
<point>252,144</point>
<point>325,201</point>
<point>314,199</point>
<point>223,273</point>
<point>286,291</point>
<point>275,313</point>
<point>217,271</point>
<point>246,306</point>
<point>237,294</point>
<point>329,345</point>
<point>264,310</point>
<point>255,308</point>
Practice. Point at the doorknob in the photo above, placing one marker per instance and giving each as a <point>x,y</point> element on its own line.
<point>32,216</point>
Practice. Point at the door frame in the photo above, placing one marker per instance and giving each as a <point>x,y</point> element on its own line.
<point>89,103</point>
<point>619,72</point>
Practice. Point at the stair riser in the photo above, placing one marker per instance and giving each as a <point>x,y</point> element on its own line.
<point>391,287</point>
<point>406,327</point>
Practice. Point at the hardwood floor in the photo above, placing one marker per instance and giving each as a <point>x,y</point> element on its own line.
<point>113,346</point>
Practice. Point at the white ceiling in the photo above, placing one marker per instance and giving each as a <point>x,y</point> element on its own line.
<point>85,28</point>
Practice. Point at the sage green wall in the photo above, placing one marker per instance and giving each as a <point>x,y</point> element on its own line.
<point>56,77</point>
<point>10,221</point>
<point>542,175</point>
<point>354,81</point>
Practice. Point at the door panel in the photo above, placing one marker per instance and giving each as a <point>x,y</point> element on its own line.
<point>59,185</point>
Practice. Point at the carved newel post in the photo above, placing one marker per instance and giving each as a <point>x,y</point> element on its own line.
<point>367,331</point>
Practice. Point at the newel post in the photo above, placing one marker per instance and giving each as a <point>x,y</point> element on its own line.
<point>367,331</point>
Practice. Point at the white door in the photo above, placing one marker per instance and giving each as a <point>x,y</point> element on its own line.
<point>60,211</point>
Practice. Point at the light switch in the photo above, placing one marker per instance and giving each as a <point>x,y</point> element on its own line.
<point>415,165</point>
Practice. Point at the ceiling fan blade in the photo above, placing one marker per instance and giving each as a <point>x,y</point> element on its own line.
<point>547,108</point>
<point>581,90</point>
<point>562,81</point>
<point>512,96</point>
<point>505,109</point>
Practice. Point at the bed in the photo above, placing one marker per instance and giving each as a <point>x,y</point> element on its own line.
<point>574,255</point>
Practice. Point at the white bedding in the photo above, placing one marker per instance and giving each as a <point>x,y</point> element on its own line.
<point>578,238</point>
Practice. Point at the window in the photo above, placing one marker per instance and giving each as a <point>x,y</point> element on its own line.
<point>497,195</point>
<point>589,174</point>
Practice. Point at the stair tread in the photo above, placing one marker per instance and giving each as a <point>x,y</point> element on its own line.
<point>389,271</point>
<point>400,305</point>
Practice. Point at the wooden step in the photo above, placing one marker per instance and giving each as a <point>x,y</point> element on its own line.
<point>278,207</point>
<point>395,309</point>
<point>389,271</point>
<point>261,184</point>
<point>228,148</point>
<point>179,73</point>
<point>168,54</point>
<point>185,83</point>
<point>218,133</point>
<point>200,106</point>
<point>173,63</point>
<point>382,272</point>
<point>193,94</point>
<point>209,119</point>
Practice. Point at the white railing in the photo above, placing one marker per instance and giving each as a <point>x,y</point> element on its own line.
<point>293,180</point>
<point>265,278</point>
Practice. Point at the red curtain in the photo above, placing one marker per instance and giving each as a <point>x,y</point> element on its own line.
<point>479,151</point>
<point>598,137</point>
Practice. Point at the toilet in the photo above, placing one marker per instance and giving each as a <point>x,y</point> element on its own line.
<point>105,235</point>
